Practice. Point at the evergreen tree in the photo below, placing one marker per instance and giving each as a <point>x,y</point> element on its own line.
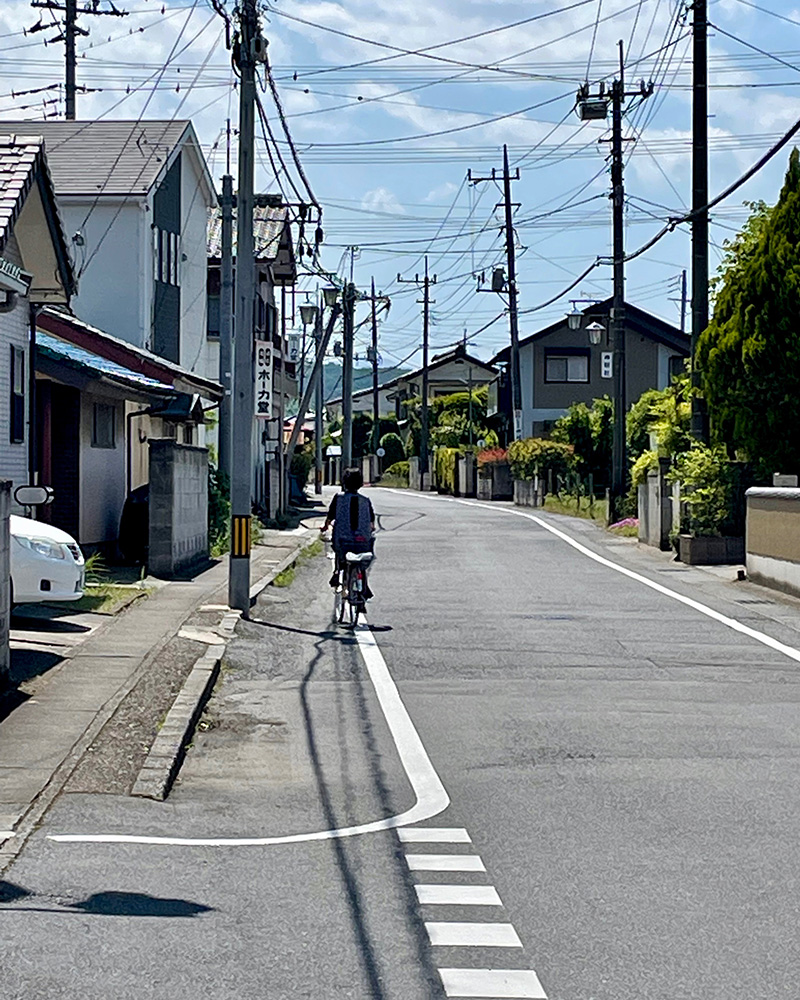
<point>749,356</point>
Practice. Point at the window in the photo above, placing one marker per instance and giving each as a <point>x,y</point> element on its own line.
<point>566,367</point>
<point>104,426</point>
<point>166,256</point>
<point>17,399</point>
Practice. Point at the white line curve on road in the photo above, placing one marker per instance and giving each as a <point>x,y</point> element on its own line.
<point>737,626</point>
<point>430,793</point>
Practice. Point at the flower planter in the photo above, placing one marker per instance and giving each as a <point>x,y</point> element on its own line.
<point>705,550</point>
<point>495,482</point>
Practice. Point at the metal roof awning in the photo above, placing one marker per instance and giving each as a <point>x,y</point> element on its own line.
<point>94,366</point>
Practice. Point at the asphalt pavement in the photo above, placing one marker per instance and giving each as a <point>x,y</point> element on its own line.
<point>585,791</point>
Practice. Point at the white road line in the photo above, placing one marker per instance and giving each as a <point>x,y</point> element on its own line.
<point>433,835</point>
<point>458,895</point>
<point>472,935</point>
<point>492,983</point>
<point>430,793</point>
<point>732,623</point>
<point>444,863</point>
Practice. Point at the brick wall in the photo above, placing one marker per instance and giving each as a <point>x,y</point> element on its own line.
<point>178,507</point>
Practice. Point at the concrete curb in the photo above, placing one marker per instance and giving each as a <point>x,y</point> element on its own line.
<point>167,752</point>
<point>166,755</point>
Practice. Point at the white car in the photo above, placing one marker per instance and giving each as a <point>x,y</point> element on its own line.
<point>46,563</point>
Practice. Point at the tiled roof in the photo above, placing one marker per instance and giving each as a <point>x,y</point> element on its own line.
<point>268,224</point>
<point>112,157</point>
<point>19,159</point>
<point>95,364</point>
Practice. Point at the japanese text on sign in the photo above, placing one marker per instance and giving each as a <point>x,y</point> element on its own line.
<point>263,373</point>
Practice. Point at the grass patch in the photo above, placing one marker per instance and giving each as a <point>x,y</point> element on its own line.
<point>576,507</point>
<point>105,598</point>
<point>316,548</point>
<point>285,578</point>
<point>395,482</point>
<point>627,531</point>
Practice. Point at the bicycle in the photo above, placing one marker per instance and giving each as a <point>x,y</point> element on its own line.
<point>350,599</point>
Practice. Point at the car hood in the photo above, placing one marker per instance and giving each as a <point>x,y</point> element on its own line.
<point>26,527</point>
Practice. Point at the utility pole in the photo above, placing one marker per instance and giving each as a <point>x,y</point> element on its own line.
<point>349,299</point>
<point>376,415</point>
<point>319,402</point>
<point>699,201</point>
<point>249,47</point>
<point>510,287</point>
<point>426,303</point>
<point>226,325</point>
<point>597,108</point>
<point>70,30</point>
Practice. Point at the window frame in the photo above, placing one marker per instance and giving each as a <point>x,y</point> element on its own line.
<point>16,416</point>
<point>567,354</point>
<point>101,440</point>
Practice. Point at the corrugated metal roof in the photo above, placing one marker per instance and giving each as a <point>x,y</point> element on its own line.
<point>108,157</point>
<point>61,350</point>
<point>268,224</point>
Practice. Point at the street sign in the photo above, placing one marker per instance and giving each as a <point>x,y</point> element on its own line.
<point>380,452</point>
<point>607,364</point>
<point>263,375</point>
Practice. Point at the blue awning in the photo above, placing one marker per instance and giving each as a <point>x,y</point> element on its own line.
<point>95,365</point>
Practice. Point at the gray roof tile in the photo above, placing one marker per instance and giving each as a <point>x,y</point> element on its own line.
<point>108,157</point>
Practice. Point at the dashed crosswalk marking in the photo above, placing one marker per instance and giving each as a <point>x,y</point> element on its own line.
<point>462,934</point>
<point>433,835</point>
<point>458,895</point>
<point>444,863</point>
<point>495,983</point>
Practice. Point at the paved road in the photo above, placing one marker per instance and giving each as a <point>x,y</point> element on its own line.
<point>620,766</point>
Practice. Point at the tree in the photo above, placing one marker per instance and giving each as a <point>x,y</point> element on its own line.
<point>749,357</point>
<point>665,413</point>
<point>589,430</point>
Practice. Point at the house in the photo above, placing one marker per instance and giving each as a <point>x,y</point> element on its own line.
<point>100,401</point>
<point>275,268</point>
<point>559,366</point>
<point>35,269</point>
<point>452,372</point>
<point>134,196</point>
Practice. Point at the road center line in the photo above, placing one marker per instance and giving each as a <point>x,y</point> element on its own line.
<point>430,793</point>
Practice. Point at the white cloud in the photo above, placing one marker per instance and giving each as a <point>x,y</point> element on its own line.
<point>380,199</point>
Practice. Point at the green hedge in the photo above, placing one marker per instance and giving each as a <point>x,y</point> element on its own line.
<point>533,456</point>
<point>446,459</point>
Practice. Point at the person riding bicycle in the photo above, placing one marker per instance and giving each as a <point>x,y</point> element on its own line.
<point>353,524</point>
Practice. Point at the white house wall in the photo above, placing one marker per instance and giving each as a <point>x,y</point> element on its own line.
<point>14,331</point>
<point>102,475</point>
<point>109,289</point>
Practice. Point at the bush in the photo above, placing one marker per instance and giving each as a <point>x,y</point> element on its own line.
<point>707,480</point>
<point>395,450</point>
<point>399,470</point>
<point>491,456</point>
<point>537,456</point>
<point>302,460</point>
<point>446,459</point>
<point>589,429</point>
<point>219,510</point>
<point>645,463</point>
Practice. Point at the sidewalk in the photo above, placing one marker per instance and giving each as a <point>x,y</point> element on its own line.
<point>44,736</point>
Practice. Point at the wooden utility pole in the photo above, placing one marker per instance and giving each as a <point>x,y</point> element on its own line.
<point>376,414</point>
<point>349,298</point>
<point>226,325</point>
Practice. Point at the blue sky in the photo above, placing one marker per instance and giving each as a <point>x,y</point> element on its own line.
<point>387,138</point>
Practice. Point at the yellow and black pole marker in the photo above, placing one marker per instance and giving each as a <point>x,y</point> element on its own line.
<point>240,540</point>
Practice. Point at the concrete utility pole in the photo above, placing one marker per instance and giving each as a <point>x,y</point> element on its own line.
<point>71,29</point>
<point>250,46</point>
<point>349,298</point>
<point>319,402</point>
<point>376,413</point>
<point>699,201</point>
<point>226,325</point>
<point>510,288</point>
<point>597,108</point>
<point>426,303</point>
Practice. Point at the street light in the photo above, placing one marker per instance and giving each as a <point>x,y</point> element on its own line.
<point>308,313</point>
<point>574,318</point>
<point>331,296</point>
<point>595,331</point>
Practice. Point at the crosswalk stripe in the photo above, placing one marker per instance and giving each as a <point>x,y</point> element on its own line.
<point>458,895</point>
<point>445,863</point>
<point>496,983</point>
<point>433,835</point>
<point>459,934</point>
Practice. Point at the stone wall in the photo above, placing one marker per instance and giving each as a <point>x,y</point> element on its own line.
<point>773,538</point>
<point>5,575</point>
<point>178,507</point>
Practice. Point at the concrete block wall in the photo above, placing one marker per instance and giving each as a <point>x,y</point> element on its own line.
<point>773,538</point>
<point>5,574</point>
<point>178,507</point>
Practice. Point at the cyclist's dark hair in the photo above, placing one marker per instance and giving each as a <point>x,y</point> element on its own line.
<point>352,480</point>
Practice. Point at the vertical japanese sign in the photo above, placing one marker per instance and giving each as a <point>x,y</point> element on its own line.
<point>263,373</point>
